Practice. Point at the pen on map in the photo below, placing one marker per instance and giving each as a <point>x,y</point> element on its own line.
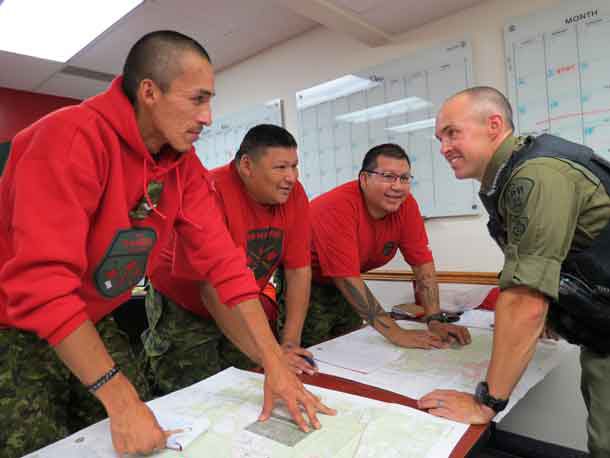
<point>455,337</point>
<point>309,360</point>
<point>176,447</point>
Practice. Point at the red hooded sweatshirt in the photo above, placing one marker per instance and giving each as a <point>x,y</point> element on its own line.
<point>81,217</point>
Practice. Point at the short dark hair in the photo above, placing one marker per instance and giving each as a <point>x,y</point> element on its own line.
<point>264,136</point>
<point>386,149</point>
<point>156,56</point>
<point>487,98</point>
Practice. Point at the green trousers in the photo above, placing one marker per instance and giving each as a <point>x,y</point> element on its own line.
<point>182,348</point>
<point>329,315</point>
<point>595,387</point>
<point>40,400</point>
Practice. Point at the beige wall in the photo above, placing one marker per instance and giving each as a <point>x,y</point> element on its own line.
<point>321,55</point>
<point>553,411</point>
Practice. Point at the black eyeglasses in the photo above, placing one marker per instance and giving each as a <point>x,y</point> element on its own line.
<point>388,177</point>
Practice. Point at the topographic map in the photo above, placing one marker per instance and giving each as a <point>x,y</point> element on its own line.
<point>230,403</point>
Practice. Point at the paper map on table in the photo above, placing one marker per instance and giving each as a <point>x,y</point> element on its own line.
<point>232,400</point>
<point>415,372</point>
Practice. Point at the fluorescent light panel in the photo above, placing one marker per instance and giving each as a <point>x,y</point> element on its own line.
<point>385,110</point>
<point>56,30</point>
<point>413,126</point>
<point>331,90</point>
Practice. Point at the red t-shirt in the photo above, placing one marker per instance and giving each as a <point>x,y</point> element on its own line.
<point>347,241</point>
<point>269,234</point>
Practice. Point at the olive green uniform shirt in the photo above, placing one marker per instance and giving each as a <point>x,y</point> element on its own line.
<point>548,205</point>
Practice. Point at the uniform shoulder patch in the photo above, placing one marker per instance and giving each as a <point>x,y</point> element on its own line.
<point>518,226</point>
<point>517,194</point>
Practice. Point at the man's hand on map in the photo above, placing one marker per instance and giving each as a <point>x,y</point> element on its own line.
<point>456,406</point>
<point>299,359</point>
<point>450,332</point>
<point>409,338</point>
<point>282,383</point>
<point>133,426</point>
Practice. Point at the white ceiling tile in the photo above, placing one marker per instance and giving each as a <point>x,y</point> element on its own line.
<point>231,30</point>
<point>396,16</point>
<point>358,6</point>
<point>24,72</point>
<point>72,86</point>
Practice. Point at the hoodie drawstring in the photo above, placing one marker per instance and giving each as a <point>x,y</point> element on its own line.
<point>153,207</point>
<point>180,211</point>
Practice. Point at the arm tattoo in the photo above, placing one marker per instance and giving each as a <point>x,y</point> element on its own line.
<point>367,307</point>
<point>427,288</point>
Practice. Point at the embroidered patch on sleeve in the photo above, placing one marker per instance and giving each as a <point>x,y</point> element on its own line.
<point>517,228</point>
<point>517,194</point>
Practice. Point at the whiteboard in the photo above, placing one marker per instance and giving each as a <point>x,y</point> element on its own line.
<point>341,120</point>
<point>558,68</point>
<point>218,144</point>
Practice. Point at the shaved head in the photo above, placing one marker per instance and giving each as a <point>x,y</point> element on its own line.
<point>485,101</point>
<point>158,56</point>
<point>471,125</point>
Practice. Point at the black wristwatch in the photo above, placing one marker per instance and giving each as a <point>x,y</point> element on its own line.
<point>443,317</point>
<point>482,396</point>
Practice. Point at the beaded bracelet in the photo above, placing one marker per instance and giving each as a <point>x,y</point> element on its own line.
<point>100,382</point>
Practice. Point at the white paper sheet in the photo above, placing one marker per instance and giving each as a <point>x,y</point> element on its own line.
<point>417,372</point>
<point>368,350</point>
<point>190,427</point>
<point>483,319</point>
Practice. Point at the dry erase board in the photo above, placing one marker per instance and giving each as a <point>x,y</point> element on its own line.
<point>218,144</point>
<point>558,69</point>
<point>339,121</point>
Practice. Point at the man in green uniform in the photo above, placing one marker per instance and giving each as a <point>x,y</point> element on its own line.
<point>549,212</point>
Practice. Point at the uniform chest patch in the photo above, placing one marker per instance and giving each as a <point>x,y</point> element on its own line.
<point>124,263</point>
<point>264,247</point>
<point>517,194</point>
<point>388,248</point>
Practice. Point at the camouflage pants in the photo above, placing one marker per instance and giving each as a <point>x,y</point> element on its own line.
<point>595,388</point>
<point>329,315</point>
<point>182,348</point>
<point>40,400</point>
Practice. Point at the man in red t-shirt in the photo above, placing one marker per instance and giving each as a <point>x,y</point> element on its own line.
<point>357,227</point>
<point>267,214</point>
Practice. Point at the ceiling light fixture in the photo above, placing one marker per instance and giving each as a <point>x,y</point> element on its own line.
<point>413,126</point>
<point>385,110</point>
<point>56,30</point>
<point>331,90</point>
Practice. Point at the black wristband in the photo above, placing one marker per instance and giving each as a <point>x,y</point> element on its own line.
<point>100,382</point>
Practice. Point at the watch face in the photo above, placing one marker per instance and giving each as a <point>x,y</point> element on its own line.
<point>482,396</point>
<point>481,392</point>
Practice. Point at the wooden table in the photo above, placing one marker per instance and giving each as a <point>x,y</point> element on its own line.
<point>475,438</point>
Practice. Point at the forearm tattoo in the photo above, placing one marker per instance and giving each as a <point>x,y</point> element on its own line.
<point>427,288</point>
<point>367,307</point>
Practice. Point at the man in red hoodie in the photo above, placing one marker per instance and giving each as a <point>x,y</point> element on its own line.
<point>88,196</point>
<point>267,213</point>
